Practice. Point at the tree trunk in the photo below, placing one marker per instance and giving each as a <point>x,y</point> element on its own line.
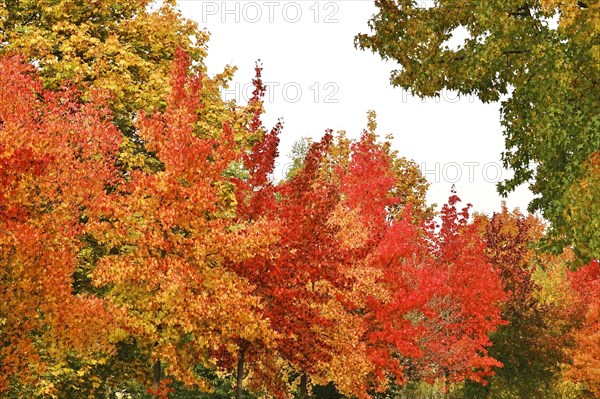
<point>156,377</point>
<point>240,373</point>
<point>303,386</point>
<point>447,384</point>
<point>488,390</point>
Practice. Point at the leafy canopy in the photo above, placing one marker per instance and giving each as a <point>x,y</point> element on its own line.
<point>540,58</point>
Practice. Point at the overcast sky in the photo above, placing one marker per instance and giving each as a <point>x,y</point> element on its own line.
<point>317,80</point>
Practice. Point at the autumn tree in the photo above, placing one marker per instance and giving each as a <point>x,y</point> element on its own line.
<point>530,346</point>
<point>337,203</point>
<point>363,173</point>
<point>464,310</point>
<point>545,74</point>
<point>431,314</point>
<point>57,156</point>
<point>402,282</point>
<point>301,279</point>
<point>309,283</point>
<point>124,48</point>
<point>255,196</point>
<point>425,312</point>
<point>169,233</point>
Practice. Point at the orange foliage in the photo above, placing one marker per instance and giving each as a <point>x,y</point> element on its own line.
<point>586,352</point>
<point>56,157</point>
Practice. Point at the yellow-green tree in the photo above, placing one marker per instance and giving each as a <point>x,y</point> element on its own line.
<point>124,47</point>
<point>547,76</point>
<point>582,212</point>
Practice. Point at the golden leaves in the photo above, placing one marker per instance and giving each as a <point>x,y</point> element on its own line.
<point>352,233</point>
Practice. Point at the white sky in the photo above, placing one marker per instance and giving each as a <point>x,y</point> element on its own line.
<point>317,80</point>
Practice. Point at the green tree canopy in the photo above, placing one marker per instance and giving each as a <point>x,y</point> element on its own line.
<point>540,57</point>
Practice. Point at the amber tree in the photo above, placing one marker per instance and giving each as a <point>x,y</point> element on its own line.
<point>56,157</point>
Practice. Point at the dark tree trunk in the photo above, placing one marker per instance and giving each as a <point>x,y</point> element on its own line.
<point>488,390</point>
<point>303,386</point>
<point>240,373</point>
<point>156,377</point>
